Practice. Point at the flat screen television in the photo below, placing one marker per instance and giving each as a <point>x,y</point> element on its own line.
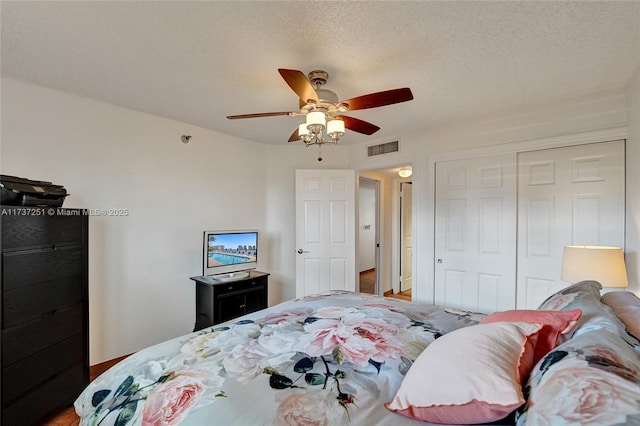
<point>230,254</point>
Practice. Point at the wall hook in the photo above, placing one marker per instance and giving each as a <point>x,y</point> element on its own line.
<point>185,138</point>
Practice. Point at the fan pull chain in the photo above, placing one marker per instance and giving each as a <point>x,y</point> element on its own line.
<point>319,152</point>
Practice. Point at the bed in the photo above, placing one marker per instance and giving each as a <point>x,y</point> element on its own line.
<point>343,358</point>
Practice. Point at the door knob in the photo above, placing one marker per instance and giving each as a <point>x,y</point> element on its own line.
<point>300,251</point>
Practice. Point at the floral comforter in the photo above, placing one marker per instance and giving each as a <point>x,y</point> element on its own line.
<point>331,359</point>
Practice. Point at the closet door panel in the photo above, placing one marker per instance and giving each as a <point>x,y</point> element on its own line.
<point>476,233</point>
<point>566,196</point>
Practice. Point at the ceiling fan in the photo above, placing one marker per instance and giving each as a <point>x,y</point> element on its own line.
<point>324,111</point>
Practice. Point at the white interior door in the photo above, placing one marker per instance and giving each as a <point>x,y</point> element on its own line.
<point>406,229</point>
<point>571,195</point>
<point>475,260</point>
<point>325,231</point>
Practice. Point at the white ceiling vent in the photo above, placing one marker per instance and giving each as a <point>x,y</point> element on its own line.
<point>383,148</point>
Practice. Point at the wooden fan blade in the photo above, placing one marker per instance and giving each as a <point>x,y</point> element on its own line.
<point>261,114</point>
<point>294,136</point>
<point>379,99</point>
<point>299,83</point>
<point>358,125</point>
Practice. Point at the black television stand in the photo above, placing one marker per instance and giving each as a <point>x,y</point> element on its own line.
<point>219,300</point>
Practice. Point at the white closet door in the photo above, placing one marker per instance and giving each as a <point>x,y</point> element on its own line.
<point>475,233</point>
<point>572,195</point>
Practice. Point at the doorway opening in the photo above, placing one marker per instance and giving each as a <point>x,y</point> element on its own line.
<point>368,238</point>
<point>382,218</point>
<point>406,238</point>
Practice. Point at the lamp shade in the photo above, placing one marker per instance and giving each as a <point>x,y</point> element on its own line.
<point>316,118</point>
<point>335,128</point>
<point>598,263</point>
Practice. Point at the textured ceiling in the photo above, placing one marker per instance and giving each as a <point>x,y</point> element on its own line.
<point>198,62</point>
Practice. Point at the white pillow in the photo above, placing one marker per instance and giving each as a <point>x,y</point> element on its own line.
<point>471,375</point>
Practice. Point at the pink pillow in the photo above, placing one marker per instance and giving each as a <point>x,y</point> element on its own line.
<point>554,324</point>
<point>471,375</point>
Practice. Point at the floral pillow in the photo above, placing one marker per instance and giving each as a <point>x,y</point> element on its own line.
<point>592,379</point>
<point>585,296</point>
<point>472,375</point>
<point>626,306</point>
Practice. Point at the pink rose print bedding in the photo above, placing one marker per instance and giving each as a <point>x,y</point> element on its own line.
<point>332,359</point>
<point>591,380</point>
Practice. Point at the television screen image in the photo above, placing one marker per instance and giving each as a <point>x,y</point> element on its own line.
<point>227,252</point>
<point>229,249</point>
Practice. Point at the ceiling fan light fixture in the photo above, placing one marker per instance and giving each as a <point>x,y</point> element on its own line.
<point>324,122</point>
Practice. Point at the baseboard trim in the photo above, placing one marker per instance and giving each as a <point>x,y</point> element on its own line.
<point>388,293</point>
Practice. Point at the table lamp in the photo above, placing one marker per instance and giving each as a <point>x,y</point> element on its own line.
<point>597,263</point>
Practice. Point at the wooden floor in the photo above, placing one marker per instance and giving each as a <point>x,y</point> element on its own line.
<point>368,285</point>
<point>405,295</point>
<point>67,417</point>
<point>368,281</point>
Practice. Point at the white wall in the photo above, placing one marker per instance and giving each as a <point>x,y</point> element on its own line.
<point>367,215</point>
<point>632,255</point>
<point>112,157</point>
